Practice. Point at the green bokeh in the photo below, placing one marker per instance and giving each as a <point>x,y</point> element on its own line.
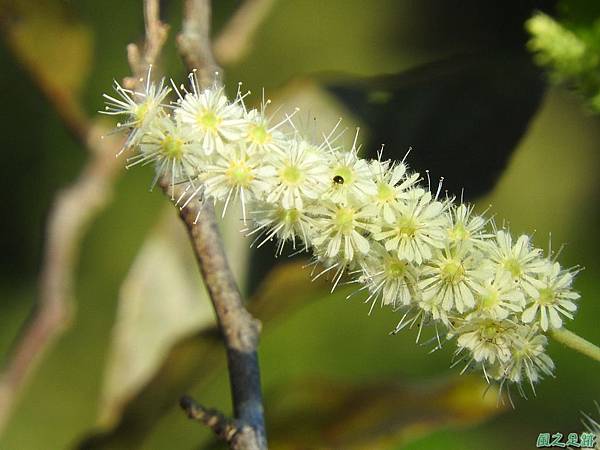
<point>551,184</point>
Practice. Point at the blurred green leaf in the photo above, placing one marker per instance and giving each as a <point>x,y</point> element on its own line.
<point>49,40</point>
<point>286,288</point>
<point>335,414</point>
<point>162,300</point>
<point>569,47</point>
<point>194,360</point>
<point>155,358</point>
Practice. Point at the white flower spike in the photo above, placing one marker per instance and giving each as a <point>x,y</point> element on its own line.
<point>434,261</point>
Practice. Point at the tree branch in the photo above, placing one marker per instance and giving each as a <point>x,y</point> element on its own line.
<point>74,209</point>
<point>156,35</point>
<point>239,329</point>
<point>235,434</point>
<point>233,42</point>
<point>223,427</point>
<point>194,40</point>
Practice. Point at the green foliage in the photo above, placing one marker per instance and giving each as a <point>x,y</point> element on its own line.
<point>308,333</point>
<point>571,52</point>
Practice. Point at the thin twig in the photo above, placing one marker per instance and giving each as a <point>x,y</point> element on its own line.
<point>194,40</point>
<point>74,209</point>
<point>239,329</point>
<point>156,35</point>
<point>224,428</point>
<point>235,39</point>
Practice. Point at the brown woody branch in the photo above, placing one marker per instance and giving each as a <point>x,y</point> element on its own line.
<point>194,40</point>
<point>223,427</point>
<point>156,35</point>
<point>239,329</point>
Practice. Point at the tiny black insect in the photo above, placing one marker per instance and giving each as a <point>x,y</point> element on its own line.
<point>338,179</point>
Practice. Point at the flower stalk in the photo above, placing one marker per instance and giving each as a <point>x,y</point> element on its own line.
<point>576,342</point>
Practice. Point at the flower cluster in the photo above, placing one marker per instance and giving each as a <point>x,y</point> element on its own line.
<point>430,258</point>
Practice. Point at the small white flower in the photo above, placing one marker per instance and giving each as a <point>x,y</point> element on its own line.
<point>301,175</point>
<point>334,267</point>
<point>236,174</point>
<point>262,137</point>
<point>350,179</point>
<point>553,298</point>
<point>216,120</point>
<point>488,340</point>
<point>282,223</point>
<point>529,359</point>
<point>139,108</point>
<point>499,296</point>
<point>340,230</point>
<point>170,145</point>
<point>466,228</point>
<point>392,182</point>
<point>520,260</point>
<point>434,309</point>
<point>388,278</point>
<point>418,228</point>
<point>452,278</point>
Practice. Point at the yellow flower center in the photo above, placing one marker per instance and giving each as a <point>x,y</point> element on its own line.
<point>258,134</point>
<point>288,216</point>
<point>459,232</point>
<point>452,271</point>
<point>491,299</point>
<point>343,173</point>
<point>292,216</point>
<point>547,296</point>
<point>513,266</point>
<point>344,220</point>
<point>407,227</point>
<point>172,147</point>
<point>208,120</point>
<point>489,331</point>
<point>385,193</point>
<point>141,110</point>
<point>291,175</point>
<point>395,268</point>
<point>239,174</point>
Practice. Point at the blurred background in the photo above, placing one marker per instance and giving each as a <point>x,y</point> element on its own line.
<point>453,80</point>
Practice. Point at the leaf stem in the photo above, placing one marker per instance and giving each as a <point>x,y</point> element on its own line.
<point>576,343</point>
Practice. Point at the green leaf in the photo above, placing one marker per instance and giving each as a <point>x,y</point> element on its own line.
<point>287,286</point>
<point>49,40</point>
<point>134,402</point>
<point>161,302</point>
<point>335,414</point>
